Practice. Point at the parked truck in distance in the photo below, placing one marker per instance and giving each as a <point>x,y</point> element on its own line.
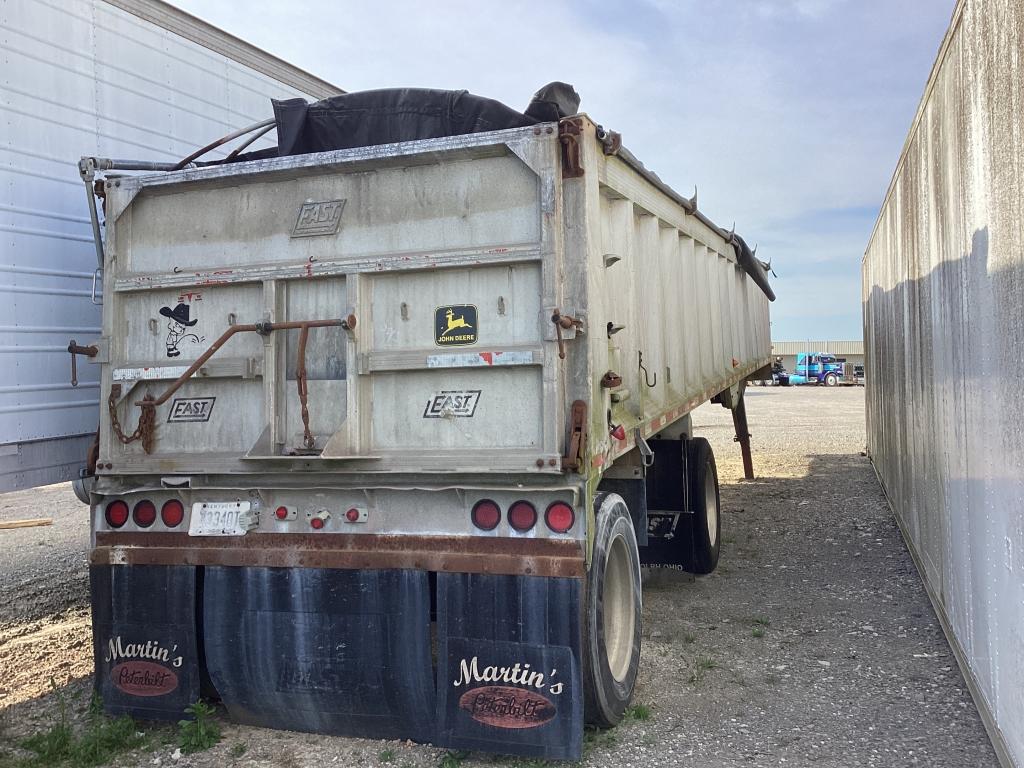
<point>823,368</point>
<point>393,415</point>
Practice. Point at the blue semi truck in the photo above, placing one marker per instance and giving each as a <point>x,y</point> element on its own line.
<point>822,368</point>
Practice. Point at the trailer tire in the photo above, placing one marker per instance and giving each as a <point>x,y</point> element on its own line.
<point>612,615</point>
<point>702,535</point>
<point>831,379</point>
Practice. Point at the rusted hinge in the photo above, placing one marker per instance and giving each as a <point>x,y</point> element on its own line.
<point>577,443</point>
<point>570,132</point>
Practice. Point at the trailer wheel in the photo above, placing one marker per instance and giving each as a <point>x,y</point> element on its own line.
<point>612,619</point>
<point>701,537</point>
<point>831,380</point>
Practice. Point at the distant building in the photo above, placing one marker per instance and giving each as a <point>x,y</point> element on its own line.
<point>851,351</point>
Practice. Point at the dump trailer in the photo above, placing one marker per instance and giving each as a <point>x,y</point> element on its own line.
<point>388,431</point>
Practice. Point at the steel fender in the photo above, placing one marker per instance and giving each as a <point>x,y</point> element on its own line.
<point>508,675</point>
<point>340,652</point>
<point>144,639</point>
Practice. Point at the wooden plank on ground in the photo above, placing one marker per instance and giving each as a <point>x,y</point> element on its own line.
<point>29,523</point>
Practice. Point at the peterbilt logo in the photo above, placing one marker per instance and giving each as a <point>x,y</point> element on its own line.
<point>318,217</point>
<point>506,707</point>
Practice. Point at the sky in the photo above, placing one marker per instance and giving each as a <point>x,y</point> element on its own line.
<point>787,116</point>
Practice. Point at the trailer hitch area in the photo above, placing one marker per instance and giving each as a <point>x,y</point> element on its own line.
<point>564,323</point>
<point>74,348</point>
<point>577,443</point>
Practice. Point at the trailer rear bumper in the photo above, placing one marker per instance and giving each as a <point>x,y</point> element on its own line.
<point>349,651</point>
<point>442,554</point>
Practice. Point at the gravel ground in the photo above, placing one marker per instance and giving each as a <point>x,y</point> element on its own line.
<point>812,644</point>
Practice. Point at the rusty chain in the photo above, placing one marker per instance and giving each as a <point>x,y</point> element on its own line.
<point>147,420</point>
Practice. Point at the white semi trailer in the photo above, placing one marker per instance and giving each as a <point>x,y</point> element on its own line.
<point>389,430</point>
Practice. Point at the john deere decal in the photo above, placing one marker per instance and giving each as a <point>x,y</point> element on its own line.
<point>455,325</point>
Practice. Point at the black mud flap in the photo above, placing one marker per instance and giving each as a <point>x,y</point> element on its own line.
<point>508,672</point>
<point>323,651</point>
<point>667,516</point>
<point>144,639</point>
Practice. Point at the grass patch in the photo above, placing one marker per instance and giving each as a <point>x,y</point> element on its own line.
<point>200,733</point>
<point>688,637</point>
<point>386,755</point>
<point>452,759</point>
<point>701,666</point>
<point>761,621</point>
<point>100,741</point>
<point>639,712</point>
<point>237,750</point>
<point>599,738</point>
<point>757,632</point>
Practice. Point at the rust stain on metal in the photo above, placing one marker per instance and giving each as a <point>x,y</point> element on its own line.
<point>453,554</point>
<point>569,132</point>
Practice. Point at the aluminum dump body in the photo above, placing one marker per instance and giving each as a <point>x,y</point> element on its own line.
<point>331,361</point>
<point>398,235</point>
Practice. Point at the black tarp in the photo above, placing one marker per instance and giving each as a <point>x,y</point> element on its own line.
<point>386,116</point>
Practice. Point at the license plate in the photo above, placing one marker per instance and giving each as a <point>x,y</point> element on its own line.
<point>222,518</point>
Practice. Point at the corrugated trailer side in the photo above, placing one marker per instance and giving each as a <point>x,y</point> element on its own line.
<point>132,77</point>
<point>943,288</point>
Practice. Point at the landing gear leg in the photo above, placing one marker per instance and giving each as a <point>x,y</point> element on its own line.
<point>739,420</point>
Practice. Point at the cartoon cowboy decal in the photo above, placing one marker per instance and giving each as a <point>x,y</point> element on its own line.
<point>179,321</point>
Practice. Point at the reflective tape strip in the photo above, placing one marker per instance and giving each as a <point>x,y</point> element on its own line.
<point>479,359</point>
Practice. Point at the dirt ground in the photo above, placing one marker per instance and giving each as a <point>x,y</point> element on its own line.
<point>812,644</point>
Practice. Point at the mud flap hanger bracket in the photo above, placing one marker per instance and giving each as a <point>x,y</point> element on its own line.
<point>646,452</point>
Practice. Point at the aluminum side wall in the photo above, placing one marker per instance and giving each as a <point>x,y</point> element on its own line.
<point>943,291</point>
<point>137,79</point>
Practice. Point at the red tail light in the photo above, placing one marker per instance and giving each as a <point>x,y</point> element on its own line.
<point>281,513</point>
<point>522,516</point>
<point>560,517</point>
<point>317,523</point>
<point>172,513</point>
<point>116,514</point>
<point>486,515</point>
<point>352,515</point>
<point>144,513</point>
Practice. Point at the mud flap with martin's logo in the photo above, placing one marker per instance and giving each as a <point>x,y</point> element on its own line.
<point>508,673</point>
<point>144,639</point>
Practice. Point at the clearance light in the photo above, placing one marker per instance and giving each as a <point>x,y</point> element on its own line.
<point>144,513</point>
<point>319,520</point>
<point>116,514</point>
<point>356,515</point>
<point>486,515</point>
<point>522,516</point>
<point>560,517</point>
<point>172,513</point>
<point>281,513</point>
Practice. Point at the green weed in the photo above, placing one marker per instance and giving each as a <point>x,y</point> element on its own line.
<point>200,733</point>
<point>237,750</point>
<point>386,755</point>
<point>639,712</point>
<point>102,739</point>
<point>452,759</point>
